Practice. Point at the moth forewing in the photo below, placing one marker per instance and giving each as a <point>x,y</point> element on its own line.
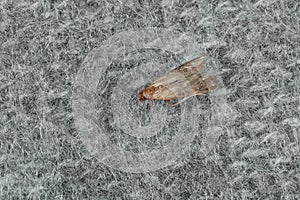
<point>172,85</point>
<point>196,64</point>
<point>182,82</point>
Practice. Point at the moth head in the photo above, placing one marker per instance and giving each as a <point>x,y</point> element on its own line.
<point>147,94</point>
<point>141,96</point>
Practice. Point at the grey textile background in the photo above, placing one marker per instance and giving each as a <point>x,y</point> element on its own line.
<point>67,67</point>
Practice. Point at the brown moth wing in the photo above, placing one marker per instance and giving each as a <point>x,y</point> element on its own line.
<point>180,82</point>
<point>165,93</point>
<point>170,76</point>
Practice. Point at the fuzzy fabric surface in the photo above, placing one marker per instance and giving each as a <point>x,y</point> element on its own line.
<point>70,125</point>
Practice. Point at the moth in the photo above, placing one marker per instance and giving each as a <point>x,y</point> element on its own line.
<point>181,82</point>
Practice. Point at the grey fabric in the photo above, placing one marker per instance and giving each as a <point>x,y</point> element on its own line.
<point>71,127</point>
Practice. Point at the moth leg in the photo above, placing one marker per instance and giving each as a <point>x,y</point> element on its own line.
<point>169,102</point>
<point>179,102</point>
<point>202,92</point>
<point>150,104</point>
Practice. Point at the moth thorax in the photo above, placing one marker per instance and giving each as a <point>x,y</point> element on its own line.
<point>149,92</point>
